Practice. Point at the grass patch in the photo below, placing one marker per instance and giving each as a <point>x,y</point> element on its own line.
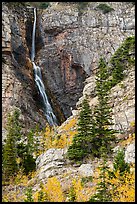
<point>85,180</point>
<point>105,8</point>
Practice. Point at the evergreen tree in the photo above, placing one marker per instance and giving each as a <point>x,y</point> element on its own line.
<point>120,164</point>
<point>102,191</point>
<point>10,156</point>
<point>25,152</point>
<point>80,144</point>
<point>121,59</point>
<point>104,134</point>
<point>95,134</point>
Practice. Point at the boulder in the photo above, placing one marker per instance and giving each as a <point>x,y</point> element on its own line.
<point>86,170</point>
<point>50,163</point>
<point>49,156</point>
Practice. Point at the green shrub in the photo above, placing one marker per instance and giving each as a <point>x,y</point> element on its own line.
<point>105,8</point>
<point>44,5</point>
<point>120,164</point>
<point>29,195</point>
<point>84,180</point>
<point>72,194</point>
<point>29,164</point>
<point>42,195</point>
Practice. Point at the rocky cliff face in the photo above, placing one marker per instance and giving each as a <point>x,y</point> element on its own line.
<point>18,87</point>
<point>69,43</point>
<point>74,40</point>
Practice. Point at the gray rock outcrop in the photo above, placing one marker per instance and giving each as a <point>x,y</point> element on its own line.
<point>50,163</point>
<point>53,163</point>
<point>130,153</point>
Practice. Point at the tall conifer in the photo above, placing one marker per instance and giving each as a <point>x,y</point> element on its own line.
<point>80,144</point>
<point>10,151</point>
<point>103,113</point>
<point>95,134</point>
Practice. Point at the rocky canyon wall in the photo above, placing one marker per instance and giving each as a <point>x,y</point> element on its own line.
<point>69,43</point>
<point>75,39</point>
<point>18,87</point>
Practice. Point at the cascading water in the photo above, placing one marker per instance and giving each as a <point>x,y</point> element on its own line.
<point>51,118</point>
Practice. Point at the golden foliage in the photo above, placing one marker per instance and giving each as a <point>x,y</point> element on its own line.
<point>66,133</point>
<point>70,124</point>
<point>132,124</point>
<point>21,179</point>
<point>58,137</point>
<point>60,141</point>
<point>82,193</point>
<point>52,191</point>
<point>128,141</point>
<point>123,187</point>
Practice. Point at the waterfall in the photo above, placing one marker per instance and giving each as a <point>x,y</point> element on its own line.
<point>51,118</point>
<point>33,37</point>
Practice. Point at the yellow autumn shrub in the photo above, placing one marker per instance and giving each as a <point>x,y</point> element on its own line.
<point>41,195</point>
<point>66,133</point>
<point>132,123</point>
<point>129,140</point>
<point>82,193</point>
<point>57,137</point>
<point>54,190</point>
<point>71,123</point>
<point>123,187</point>
<point>60,141</point>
